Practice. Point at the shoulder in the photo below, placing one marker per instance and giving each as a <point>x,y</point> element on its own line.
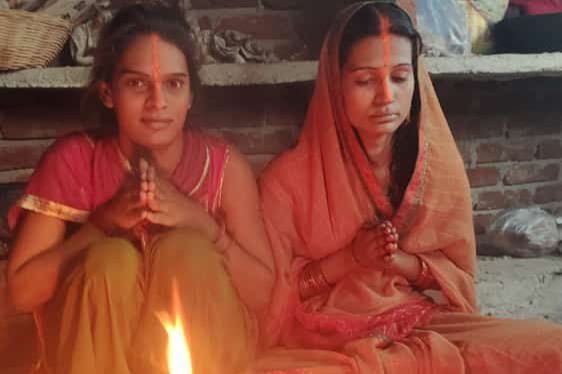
<point>72,147</point>
<point>238,163</point>
<point>279,172</point>
<point>212,141</point>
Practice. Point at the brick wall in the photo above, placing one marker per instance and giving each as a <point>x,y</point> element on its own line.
<point>510,136</point>
<point>509,133</point>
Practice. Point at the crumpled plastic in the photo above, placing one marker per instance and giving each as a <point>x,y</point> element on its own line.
<point>443,25</point>
<point>522,232</point>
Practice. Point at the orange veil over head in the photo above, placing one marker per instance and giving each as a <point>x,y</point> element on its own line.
<point>317,195</point>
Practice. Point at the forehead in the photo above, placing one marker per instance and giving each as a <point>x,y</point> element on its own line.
<point>147,51</point>
<point>377,51</point>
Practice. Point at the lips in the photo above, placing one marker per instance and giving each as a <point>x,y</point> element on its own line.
<point>156,123</point>
<point>384,117</point>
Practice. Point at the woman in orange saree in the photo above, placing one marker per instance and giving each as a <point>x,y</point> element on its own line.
<point>370,223</point>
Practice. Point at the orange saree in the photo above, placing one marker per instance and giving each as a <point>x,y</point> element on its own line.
<point>315,199</point>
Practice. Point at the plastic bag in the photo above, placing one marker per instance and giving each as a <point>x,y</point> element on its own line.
<point>443,26</point>
<point>529,232</point>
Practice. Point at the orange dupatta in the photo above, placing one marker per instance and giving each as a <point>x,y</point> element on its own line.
<point>319,194</point>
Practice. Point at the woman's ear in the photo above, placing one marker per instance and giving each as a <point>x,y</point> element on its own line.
<point>106,95</point>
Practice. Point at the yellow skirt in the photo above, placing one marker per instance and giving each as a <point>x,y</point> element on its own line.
<point>104,317</point>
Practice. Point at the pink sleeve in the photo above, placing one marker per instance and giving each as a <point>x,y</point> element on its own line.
<point>61,184</point>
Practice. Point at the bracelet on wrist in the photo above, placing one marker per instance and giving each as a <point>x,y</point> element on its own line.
<point>425,279</point>
<point>312,281</point>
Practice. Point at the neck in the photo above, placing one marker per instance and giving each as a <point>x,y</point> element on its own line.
<point>165,159</point>
<point>379,150</point>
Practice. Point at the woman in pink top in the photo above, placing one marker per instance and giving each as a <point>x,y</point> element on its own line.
<point>109,224</point>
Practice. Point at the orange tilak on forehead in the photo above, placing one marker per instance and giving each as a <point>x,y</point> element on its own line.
<point>155,44</point>
<point>156,72</point>
<point>385,37</point>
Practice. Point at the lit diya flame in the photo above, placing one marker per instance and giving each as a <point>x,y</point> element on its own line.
<point>179,358</point>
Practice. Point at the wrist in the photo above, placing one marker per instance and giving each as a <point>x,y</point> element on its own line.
<point>424,280</point>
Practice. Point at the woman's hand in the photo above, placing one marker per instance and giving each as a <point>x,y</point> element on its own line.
<point>123,211</point>
<point>169,207</point>
<point>376,247</point>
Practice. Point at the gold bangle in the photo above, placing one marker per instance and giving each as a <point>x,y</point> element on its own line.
<point>312,281</point>
<point>424,279</point>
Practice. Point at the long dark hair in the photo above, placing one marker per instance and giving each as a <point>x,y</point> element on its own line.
<point>367,22</point>
<point>129,23</point>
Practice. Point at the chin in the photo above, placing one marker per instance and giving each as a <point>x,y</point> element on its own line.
<point>378,129</point>
<point>157,142</point>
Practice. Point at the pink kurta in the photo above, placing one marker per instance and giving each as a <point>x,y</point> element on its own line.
<point>79,173</point>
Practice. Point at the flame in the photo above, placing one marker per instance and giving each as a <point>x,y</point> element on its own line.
<point>179,358</point>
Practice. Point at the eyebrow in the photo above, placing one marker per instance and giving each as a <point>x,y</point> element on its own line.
<point>356,68</point>
<point>125,71</point>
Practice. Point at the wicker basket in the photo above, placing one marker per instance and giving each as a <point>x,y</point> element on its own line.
<point>30,39</point>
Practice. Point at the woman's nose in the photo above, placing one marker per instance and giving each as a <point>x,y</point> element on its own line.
<point>156,98</point>
<point>386,90</point>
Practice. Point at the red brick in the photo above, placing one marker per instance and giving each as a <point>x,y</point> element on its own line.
<point>506,150</point>
<point>283,4</point>
<point>264,26</point>
<point>15,176</point>
<point>41,122</point>
<point>531,173</point>
<point>277,140</point>
<point>546,194</point>
<point>122,3</point>
<point>453,98</point>
<point>229,107</point>
<point>214,4</point>
<point>489,200</point>
<point>550,149</point>
<point>14,98</point>
<point>472,126</point>
<point>21,154</point>
<point>465,149</point>
<point>534,123</point>
<point>252,141</point>
<point>482,222</point>
<point>287,105</point>
<point>483,176</point>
